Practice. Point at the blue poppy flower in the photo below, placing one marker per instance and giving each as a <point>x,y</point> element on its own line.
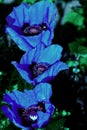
<point>31,108</point>
<point>40,65</point>
<point>29,25</point>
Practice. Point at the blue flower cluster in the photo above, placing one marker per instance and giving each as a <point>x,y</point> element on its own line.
<point>32,29</point>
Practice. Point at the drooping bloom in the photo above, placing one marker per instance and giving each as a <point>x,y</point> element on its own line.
<point>31,108</point>
<point>41,65</point>
<point>29,25</point>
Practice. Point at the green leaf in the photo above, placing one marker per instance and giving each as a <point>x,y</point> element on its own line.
<point>74,17</point>
<point>82,51</point>
<point>83,61</point>
<point>78,48</point>
<point>30,1</point>
<point>4,123</point>
<point>27,1</point>
<point>72,63</point>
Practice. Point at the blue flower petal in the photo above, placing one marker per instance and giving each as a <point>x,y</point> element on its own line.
<point>30,97</point>
<point>49,55</point>
<point>27,58</point>
<point>49,74</point>
<point>19,40</point>
<point>17,16</point>
<point>43,92</point>
<point>23,71</point>
<point>19,98</point>
<point>28,43</point>
<point>52,15</point>
<point>49,15</point>
<point>47,37</point>
<point>44,118</point>
<point>36,9</point>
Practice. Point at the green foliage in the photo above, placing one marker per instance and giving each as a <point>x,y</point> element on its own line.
<point>29,1</point>
<point>4,123</point>
<point>33,1</point>
<point>76,45</point>
<point>75,16</point>
<point>83,63</point>
<point>80,51</point>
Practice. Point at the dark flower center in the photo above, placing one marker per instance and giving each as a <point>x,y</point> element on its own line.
<point>33,30</point>
<point>29,115</point>
<point>44,26</point>
<point>39,69</point>
<point>41,107</point>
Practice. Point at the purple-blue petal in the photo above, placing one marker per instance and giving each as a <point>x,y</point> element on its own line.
<point>23,71</point>
<point>6,110</point>
<point>13,117</point>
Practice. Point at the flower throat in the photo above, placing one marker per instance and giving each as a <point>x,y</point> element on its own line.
<point>29,115</point>
<point>32,30</point>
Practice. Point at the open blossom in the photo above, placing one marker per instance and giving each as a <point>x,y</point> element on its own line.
<point>29,25</point>
<point>31,108</point>
<point>41,65</point>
